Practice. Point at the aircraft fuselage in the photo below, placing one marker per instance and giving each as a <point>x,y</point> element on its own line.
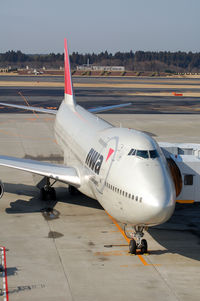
<point>123,169</point>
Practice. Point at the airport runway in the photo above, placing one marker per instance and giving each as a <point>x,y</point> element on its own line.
<point>76,251</point>
<point>156,97</point>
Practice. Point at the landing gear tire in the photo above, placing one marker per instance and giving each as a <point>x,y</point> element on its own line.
<point>144,246</point>
<point>138,243</point>
<point>72,190</point>
<point>48,194</point>
<point>132,246</point>
<point>42,194</point>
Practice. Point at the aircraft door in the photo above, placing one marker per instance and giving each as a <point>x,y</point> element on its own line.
<point>120,152</point>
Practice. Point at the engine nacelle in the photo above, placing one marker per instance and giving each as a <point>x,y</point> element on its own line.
<point>1,189</point>
<point>176,175</point>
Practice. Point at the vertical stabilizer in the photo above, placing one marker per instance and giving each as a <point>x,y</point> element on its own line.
<point>69,97</point>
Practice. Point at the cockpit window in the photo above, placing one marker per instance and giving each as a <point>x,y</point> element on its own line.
<point>132,152</point>
<point>142,153</point>
<point>153,154</point>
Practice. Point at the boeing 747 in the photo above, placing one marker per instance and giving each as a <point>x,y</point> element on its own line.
<point>124,169</point>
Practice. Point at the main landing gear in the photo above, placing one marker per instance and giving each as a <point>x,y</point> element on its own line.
<point>47,192</point>
<point>138,242</point>
<point>72,190</point>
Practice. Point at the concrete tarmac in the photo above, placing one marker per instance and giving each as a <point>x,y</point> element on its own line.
<point>76,251</point>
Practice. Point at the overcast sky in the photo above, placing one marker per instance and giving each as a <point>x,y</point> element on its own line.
<point>39,26</point>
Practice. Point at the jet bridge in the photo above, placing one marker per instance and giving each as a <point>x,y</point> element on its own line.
<point>187,158</point>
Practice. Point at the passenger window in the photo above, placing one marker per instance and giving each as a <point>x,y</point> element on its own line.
<point>126,194</point>
<point>136,198</point>
<point>142,154</point>
<point>129,195</point>
<point>188,180</point>
<point>132,197</point>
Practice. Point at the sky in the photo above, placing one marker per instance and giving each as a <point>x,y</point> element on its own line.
<point>39,26</point>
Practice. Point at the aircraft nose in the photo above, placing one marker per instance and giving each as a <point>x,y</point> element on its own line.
<point>159,209</point>
<point>159,196</point>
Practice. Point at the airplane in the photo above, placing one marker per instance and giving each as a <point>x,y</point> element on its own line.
<point>124,169</point>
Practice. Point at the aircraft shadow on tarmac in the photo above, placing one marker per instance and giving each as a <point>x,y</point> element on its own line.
<point>35,204</point>
<point>180,235</point>
<point>10,271</point>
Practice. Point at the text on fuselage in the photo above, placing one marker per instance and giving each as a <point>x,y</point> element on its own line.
<point>94,160</point>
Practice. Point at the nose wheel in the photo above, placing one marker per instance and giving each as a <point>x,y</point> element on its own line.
<point>144,246</point>
<point>137,242</point>
<point>133,246</point>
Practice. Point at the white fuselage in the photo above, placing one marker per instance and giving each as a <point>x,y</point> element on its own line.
<point>134,189</point>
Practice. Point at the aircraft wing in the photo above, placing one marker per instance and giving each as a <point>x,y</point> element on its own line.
<point>108,108</point>
<point>29,108</point>
<point>54,112</point>
<point>61,173</point>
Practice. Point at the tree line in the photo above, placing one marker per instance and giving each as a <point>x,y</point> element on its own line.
<point>140,60</point>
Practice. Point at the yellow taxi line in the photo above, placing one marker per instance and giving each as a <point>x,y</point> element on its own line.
<point>127,239</point>
<point>185,201</point>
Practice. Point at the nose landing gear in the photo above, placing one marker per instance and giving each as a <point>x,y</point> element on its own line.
<point>136,240</point>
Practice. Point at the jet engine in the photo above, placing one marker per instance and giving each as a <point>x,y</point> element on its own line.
<point>1,189</point>
<point>176,175</point>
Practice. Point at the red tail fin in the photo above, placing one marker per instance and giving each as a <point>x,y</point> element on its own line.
<point>69,99</point>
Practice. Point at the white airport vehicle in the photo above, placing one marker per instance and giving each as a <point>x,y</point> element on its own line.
<point>124,169</point>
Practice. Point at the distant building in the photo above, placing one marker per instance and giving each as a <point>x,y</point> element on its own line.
<point>100,68</point>
<point>4,70</point>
